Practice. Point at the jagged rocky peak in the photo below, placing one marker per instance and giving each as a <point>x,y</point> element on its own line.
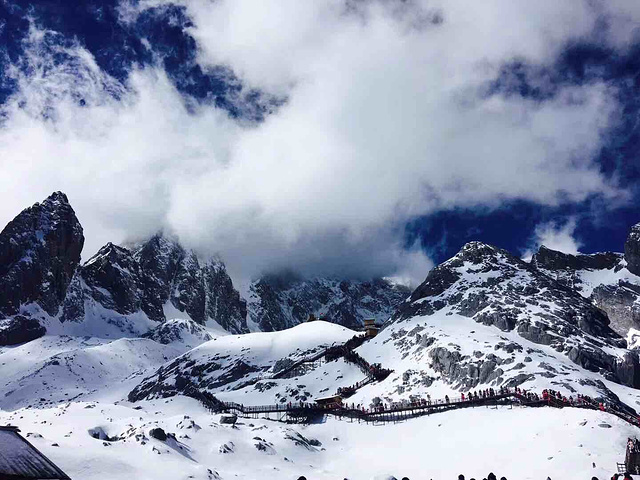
<point>159,259</point>
<point>113,278</point>
<point>495,288</point>
<point>283,300</point>
<point>39,252</point>
<point>487,257</point>
<point>159,274</point>
<point>632,250</point>
<point>603,278</point>
<point>553,260</point>
<point>223,301</point>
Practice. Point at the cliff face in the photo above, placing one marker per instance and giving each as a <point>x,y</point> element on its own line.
<point>43,284</point>
<point>161,273</point>
<point>278,302</point>
<point>39,253</point>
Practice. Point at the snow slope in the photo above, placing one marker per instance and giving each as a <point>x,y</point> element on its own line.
<point>448,354</point>
<point>518,443</point>
<point>243,364</point>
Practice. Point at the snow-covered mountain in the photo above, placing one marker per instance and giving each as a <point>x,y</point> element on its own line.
<point>132,330</point>
<point>282,301</point>
<point>482,319</point>
<point>127,291</point>
<point>117,292</point>
<point>611,281</point>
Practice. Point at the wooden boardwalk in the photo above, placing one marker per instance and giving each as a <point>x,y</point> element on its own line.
<point>308,412</point>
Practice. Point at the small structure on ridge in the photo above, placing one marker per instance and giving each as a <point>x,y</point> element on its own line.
<point>370,328</point>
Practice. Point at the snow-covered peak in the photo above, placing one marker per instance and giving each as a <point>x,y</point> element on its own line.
<point>39,252</point>
<point>490,286</point>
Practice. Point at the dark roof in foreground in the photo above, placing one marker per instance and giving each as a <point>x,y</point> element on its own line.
<point>21,460</point>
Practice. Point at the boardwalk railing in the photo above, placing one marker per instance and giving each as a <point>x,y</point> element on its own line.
<point>303,410</point>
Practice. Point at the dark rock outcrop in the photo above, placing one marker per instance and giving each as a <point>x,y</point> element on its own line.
<point>158,272</point>
<point>113,278</point>
<point>632,250</point>
<point>20,329</point>
<point>39,252</point>
<point>159,260</point>
<point>282,301</point>
<point>158,433</point>
<point>222,300</point>
<point>620,302</point>
<point>553,260</point>
<point>73,305</point>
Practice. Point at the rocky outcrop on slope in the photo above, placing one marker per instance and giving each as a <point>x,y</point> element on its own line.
<point>20,329</point>
<point>179,330</point>
<point>552,260</point>
<point>606,279</point>
<point>492,287</point>
<point>160,259</point>
<point>39,252</point>
<point>621,302</point>
<point>222,300</point>
<point>281,301</point>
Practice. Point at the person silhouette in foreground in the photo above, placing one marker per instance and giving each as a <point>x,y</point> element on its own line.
<point>460,477</point>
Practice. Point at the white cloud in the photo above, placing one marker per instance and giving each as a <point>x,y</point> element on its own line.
<point>556,236</point>
<point>383,122</point>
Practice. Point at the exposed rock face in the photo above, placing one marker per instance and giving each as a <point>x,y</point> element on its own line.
<point>39,252</point>
<point>159,259</point>
<point>159,272</point>
<point>553,260</point>
<point>20,329</point>
<point>188,292</point>
<point>179,330</point>
<point>494,288</point>
<point>113,279</point>
<point>632,250</point>
<point>603,278</point>
<point>282,301</point>
<point>222,301</point>
<point>620,302</point>
<point>39,264</point>
<point>73,306</point>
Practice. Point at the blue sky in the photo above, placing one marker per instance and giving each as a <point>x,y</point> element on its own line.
<point>347,138</point>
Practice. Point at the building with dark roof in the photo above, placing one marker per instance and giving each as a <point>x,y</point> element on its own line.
<point>19,460</point>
